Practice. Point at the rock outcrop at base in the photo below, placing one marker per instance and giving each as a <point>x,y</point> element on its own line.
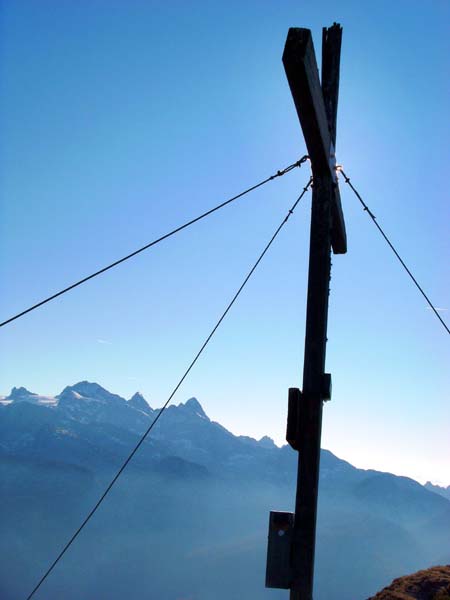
<point>430,584</point>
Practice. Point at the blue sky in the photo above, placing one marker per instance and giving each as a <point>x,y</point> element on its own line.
<point>121,120</point>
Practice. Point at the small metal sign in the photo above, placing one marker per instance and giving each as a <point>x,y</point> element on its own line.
<point>278,569</point>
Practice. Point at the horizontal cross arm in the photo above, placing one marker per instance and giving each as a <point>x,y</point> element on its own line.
<point>300,64</point>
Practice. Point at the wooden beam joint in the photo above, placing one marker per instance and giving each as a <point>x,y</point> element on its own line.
<point>315,115</point>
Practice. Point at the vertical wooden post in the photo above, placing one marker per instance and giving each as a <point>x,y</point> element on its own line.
<point>331,57</point>
<point>316,106</point>
<point>312,396</point>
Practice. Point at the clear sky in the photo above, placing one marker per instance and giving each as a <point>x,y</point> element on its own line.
<point>121,119</point>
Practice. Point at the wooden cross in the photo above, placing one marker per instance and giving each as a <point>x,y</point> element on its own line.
<point>316,106</point>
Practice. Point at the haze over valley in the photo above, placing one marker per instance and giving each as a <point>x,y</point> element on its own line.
<point>188,517</point>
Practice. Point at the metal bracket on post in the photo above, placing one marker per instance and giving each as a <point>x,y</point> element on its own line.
<point>293,418</point>
<point>326,386</point>
<point>297,408</point>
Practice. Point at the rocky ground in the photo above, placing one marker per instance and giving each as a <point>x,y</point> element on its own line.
<point>430,584</point>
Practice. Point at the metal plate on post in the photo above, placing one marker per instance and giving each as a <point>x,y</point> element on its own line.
<point>293,419</point>
<point>278,569</point>
<point>326,386</point>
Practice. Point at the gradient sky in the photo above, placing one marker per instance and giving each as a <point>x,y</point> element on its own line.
<point>122,119</point>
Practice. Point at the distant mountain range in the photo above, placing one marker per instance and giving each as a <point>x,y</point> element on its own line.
<point>443,491</point>
<point>189,515</point>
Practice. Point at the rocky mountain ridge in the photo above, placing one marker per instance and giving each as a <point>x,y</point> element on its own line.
<point>198,439</point>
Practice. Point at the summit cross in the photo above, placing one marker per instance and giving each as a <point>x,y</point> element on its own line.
<point>316,104</point>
